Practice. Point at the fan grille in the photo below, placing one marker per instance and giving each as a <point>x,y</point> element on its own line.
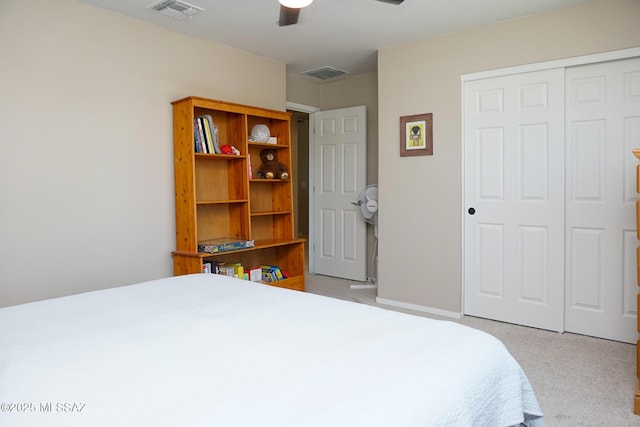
<point>368,204</point>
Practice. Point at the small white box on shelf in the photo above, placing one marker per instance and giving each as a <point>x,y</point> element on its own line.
<point>272,140</point>
<point>255,274</point>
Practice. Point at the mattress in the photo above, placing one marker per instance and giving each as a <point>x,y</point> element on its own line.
<point>210,350</point>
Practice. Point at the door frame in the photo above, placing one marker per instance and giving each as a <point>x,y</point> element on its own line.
<point>309,109</point>
<point>499,72</point>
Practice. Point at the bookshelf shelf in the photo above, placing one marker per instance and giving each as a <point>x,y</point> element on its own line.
<point>219,156</point>
<point>216,199</point>
<point>220,202</point>
<point>266,145</point>
<point>268,181</point>
<point>271,213</point>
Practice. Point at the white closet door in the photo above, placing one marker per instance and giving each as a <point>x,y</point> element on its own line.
<point>603,126</point>
<point>514,198</point>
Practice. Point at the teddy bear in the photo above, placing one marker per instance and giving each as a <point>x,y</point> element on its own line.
<point>271,168</point>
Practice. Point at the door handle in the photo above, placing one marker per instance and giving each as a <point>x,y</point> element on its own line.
<point>471,211</point>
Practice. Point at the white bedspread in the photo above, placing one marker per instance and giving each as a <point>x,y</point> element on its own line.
<point>207,350</point>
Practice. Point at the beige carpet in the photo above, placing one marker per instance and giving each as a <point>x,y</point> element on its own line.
<point>578,380</point>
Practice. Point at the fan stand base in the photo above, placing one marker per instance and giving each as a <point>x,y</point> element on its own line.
<point>364,286</point>
<point>372,282</point>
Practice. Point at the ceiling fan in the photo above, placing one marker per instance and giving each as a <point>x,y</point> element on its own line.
<point>290,10</point>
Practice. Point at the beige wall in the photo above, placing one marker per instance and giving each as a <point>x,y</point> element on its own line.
<point>420,260</point>
<point>86,157</point>
<point>303,91</point>
<point>346,92</point>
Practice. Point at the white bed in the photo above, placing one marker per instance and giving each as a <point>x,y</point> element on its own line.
<point>208,350</point>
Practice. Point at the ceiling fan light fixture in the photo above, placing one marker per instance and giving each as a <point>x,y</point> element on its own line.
<point>295,4</point>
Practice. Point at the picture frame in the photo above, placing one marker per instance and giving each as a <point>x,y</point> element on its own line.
<point>416,135</point>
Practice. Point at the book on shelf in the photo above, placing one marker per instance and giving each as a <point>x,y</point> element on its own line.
<point>196,138</point>
<point>207,134</point>
<point>214,246</point>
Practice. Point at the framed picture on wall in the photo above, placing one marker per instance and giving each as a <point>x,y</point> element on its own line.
<point>416,135</point>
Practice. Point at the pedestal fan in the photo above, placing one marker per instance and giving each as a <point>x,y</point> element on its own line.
<point>367,204</point>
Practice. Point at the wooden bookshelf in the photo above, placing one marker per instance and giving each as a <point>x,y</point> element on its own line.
<point>215,198</point>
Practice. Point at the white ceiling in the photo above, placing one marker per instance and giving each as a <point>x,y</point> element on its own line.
<point>343,34</point>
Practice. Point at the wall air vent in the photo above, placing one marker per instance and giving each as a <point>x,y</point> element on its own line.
<point>325,73</point>
<point>175,9</point>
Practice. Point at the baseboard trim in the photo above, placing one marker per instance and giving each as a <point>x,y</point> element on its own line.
<point>420,308</point>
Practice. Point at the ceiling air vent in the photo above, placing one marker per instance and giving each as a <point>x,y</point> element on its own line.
<point>175,9</point>
<point>324,73</point>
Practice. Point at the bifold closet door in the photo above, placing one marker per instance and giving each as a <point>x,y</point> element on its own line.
<point>602,129</point>
<point>514,198</point>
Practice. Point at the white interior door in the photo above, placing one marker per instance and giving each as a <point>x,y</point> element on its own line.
<point>603,127</point>
<point>514,198</point>
<point>339,170</point>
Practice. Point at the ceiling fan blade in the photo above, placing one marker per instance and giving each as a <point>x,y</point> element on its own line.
<point>288,16</point>
<point>392,1</point>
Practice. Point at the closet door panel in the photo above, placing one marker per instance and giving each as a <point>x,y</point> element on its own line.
<point>514,199</point>
<point>602,128</point>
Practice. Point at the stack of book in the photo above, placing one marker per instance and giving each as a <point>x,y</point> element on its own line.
<point>272,273</point>
<point>205,135</point>
<point>232,269</point>
<point>214,246</point>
